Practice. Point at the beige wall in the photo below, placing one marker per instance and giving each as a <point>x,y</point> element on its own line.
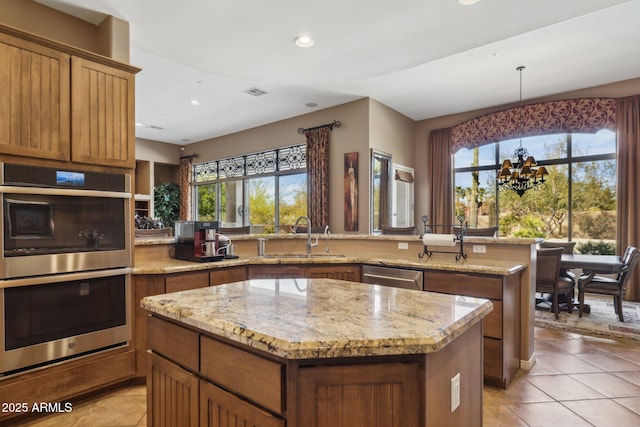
<point>366,124</point>
<point>113,39</point>
<point>160,152</point>
<point>391,132</point>
<point>110,38</point>
<point>352,136</point>
<point>423,127</point>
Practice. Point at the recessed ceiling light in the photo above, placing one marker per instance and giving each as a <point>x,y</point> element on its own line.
<point>139,124</point>
<point>311,104</point>
<point>195,102</point>
<point>303,41</point>
<point>468,2</point>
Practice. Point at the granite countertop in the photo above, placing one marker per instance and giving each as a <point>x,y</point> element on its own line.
<point>323,318</point>
<point>484,266</point>
<point>146,241</point>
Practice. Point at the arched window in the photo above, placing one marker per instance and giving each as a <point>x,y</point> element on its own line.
<point>573,139</point>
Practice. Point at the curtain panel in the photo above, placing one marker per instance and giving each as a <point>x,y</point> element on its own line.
<point>186,175</point>
<point>440,177</point>
<point>318,176</point>
<point>628,229</point>
<point>570,115</point>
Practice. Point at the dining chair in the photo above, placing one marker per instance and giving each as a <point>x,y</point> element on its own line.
<point>548,278</point>
<point>411,231</point>
<point>567,248</point>
<point>614,286</point>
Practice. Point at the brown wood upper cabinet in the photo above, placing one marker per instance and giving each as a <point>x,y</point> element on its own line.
<point>102,115</point>
<point>35,104</point>
<point>62,103</point>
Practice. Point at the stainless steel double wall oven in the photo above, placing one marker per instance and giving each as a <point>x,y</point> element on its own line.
<point>65,264</point>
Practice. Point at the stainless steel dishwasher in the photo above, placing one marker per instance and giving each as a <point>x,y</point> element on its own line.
<point>393,276</point>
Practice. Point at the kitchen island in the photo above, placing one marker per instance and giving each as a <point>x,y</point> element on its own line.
<point>306,352</point>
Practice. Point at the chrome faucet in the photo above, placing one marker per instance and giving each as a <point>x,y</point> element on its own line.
<point>309,244</point>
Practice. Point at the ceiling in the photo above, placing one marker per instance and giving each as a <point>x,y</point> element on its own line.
<point>423,58</point>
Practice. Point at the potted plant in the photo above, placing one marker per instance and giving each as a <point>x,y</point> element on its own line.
<point>166,203</point>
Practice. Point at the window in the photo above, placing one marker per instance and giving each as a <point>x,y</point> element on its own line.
<point>578,201</point>
<point>267,190</point>
<point>380,169</point>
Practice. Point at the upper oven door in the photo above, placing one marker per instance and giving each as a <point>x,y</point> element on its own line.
<point>50,230</point>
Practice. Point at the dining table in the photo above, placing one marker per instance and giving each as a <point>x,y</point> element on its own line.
<point>599,264</point>
<point>590,266</point>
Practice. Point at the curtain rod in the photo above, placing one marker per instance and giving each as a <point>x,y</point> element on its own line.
<point>190,156</point>
<point>335,123</point>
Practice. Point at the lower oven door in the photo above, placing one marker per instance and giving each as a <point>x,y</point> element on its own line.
<point>51,318</point>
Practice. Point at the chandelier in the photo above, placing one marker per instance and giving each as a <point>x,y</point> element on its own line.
<point>524,174</point>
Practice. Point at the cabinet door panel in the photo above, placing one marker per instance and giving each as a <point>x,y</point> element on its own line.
<point>493,358</point>
<point>275,272</point>
<point>473,285</point>
<point>259,379</point>
<point>34,107</point>
<point>220,276</point>
<point>360,395</point>
<point>333,271</point>
<point>172,394</point>
<point>221,409</point>
<point>493,321</point>
<point>102,129</point>
<point>174,342</point>
<point>186,281</point>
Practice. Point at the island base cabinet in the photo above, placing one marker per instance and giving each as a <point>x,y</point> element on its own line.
<point>172,394</point>
<point>410,390</point>
<point>221,409</point>
<point>360,395</point>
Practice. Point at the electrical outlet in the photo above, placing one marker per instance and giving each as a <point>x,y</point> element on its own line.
<point>479,249</point>
<point>455,392</point>
<point>403,245</point>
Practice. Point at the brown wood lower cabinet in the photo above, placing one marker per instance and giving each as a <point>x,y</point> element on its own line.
<point>501,326</point>
<point>220,276</point>
<point>360,395</point>
<point>349,272</point>
<point>66,381</point>
<point>233,385</point>
<point>172,394</point>
<point>219,408</point>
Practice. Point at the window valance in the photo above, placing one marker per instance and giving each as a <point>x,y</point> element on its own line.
<point>569,115</point>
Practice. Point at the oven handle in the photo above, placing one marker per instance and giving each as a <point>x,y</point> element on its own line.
<point>63,192</point>
<point>40,280</point>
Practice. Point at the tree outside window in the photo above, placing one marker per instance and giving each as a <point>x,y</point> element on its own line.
<point>578,201</point>
<point>266,190</point>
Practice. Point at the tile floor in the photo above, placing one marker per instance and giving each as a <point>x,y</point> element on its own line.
<point>119,408</point>
<point>577,381</point>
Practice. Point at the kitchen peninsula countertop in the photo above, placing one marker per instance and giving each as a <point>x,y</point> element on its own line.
<point>484,266</point>
<point>323,318</point>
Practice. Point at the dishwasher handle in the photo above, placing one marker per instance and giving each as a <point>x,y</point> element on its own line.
<point>394,277</point>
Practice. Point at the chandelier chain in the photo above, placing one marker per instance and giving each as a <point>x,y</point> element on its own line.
<point>524,173</point>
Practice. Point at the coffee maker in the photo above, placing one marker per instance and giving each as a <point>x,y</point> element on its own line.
<point>197,241</point>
